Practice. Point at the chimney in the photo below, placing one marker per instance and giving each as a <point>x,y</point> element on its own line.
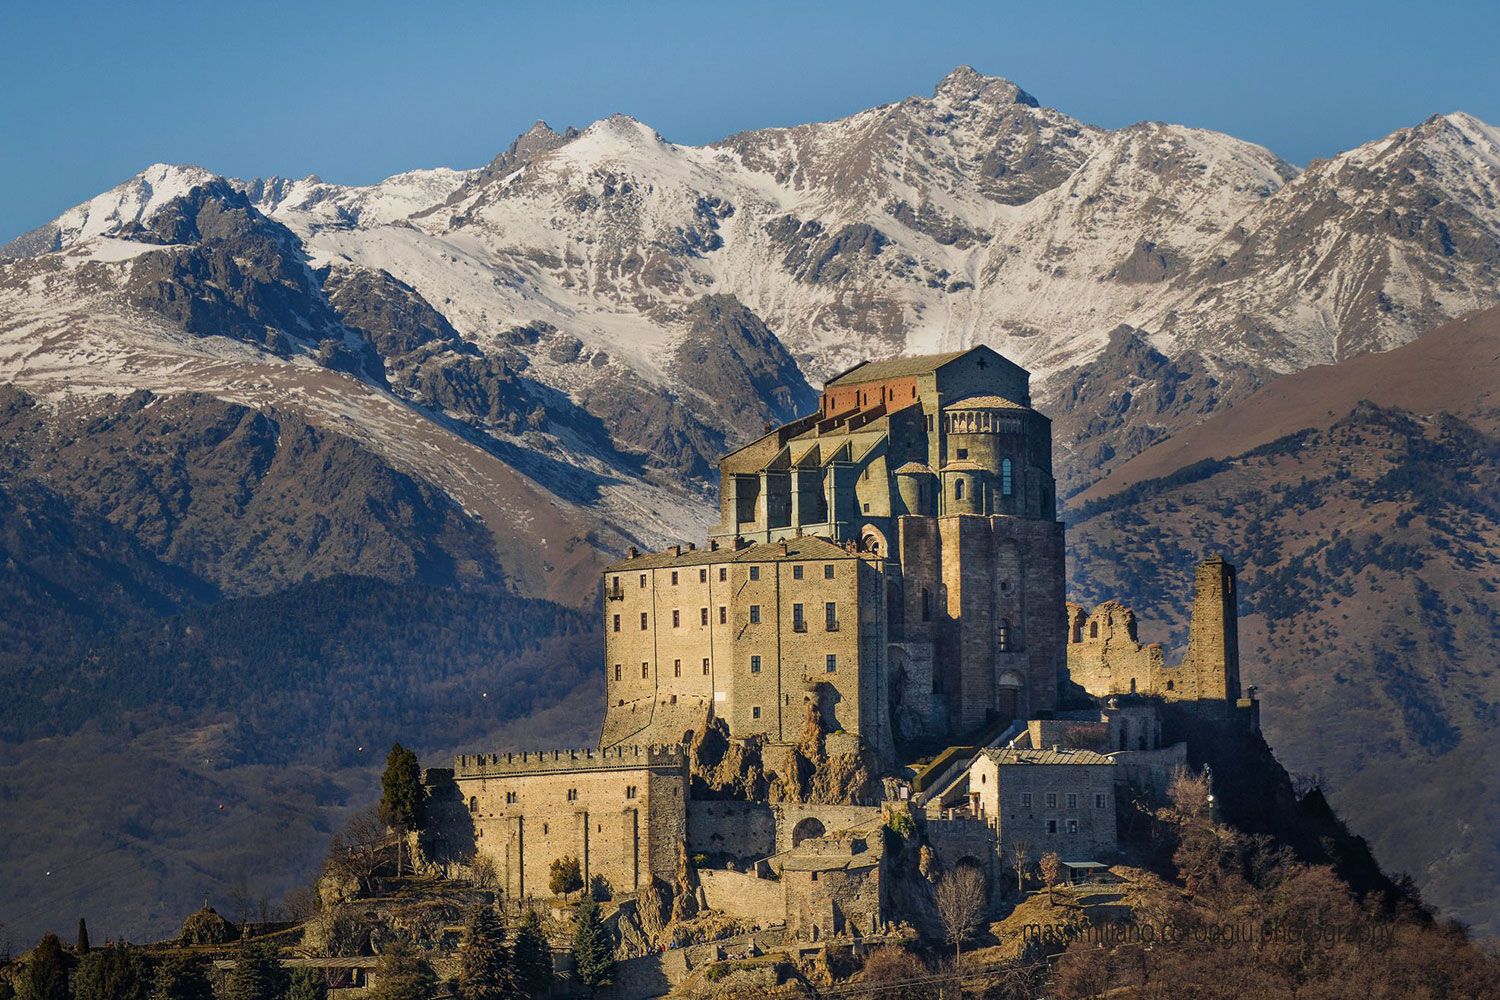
<point>692,546</point>
<point>677,550</point>
<point>713,545</point>
<point>781,546</point>
<point>634,552</point>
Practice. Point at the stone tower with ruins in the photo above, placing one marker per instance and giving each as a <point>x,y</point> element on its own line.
<point>1105,656</point>
<point>894,559</point>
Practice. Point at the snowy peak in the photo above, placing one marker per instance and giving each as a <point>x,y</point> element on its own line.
<point>966,84</point>
<point>131,202</point>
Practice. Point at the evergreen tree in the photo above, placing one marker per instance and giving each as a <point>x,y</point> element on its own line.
<point>83,938</point>
<point>567,877</point>
<point>533,956</point>
<point>308,984</point>
<point>182,977</point>
<point>112,974</point>
<point>257,974</point>
<point>593,951</point>
<point>402,974</point>
<point>401,795</point>
<point>486,967</point>
<point>44,973</point>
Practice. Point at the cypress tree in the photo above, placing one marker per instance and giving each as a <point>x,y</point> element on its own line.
<point>83,938</point>
<point>401,795</point>
<point>593,951</point>
<point>533,956</point>
<point>403,975</point>
<point>486,966</point>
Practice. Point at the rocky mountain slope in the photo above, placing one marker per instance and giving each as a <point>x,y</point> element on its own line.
<point>1360,500</point>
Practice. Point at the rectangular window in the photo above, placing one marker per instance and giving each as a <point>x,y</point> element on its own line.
<point>755,664</point>
<point>1025,800</point>
<point>1099,800</point>
<point>645,670</point>
<point>723,615</point>
<point>831,616</point>
<point>831,664</point>
<point>1051,800</point>
<point>755,614</point>
<point>1072,826</point>
<point>705,666</point>
<point>797,572</point>
<point>1072,800</point>
<point>723,573</point>
<point>617,671</point>
<point>676,618</point>
<point>703,616</point>
<point>674,578</point>
<point>799,622</point>
<point>963,453</point>
<point>676,668</point>
<point>755,572</point>
<point>828,571</point>
<point>643,621</point>
<point>643,581</point>
<point>703,576</point>
<point>630,791</point>
<point>572,795</point>
<point>1052,826</point>
<point>510,798</point>
<point>617,623</point>
<point>755,711</point>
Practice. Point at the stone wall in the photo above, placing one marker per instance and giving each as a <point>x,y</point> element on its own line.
<point>1067,808</point>
<point>745,831</point>
<point>759,902</point>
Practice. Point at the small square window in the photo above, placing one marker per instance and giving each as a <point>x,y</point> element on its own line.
<point>755,712</point>
<point>572,795</point>
<point>510,798</point>
<point>630,791</point>
<point>797,572</point>
<point>1051,800</point>
<point>963,453</point>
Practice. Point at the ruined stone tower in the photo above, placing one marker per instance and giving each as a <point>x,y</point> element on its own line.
<point>1213,653</point>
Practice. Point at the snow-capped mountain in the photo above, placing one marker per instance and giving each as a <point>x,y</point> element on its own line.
<point>600,312</point>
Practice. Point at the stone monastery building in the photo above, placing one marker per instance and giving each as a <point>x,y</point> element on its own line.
<point>887,573</point>
<point>894,557</point>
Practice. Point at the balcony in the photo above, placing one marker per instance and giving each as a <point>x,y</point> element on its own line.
<point>799,626</point>
<point>614,594</point>
<point>831,626</point>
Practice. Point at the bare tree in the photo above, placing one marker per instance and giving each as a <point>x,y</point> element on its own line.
<point>1190,793</point>
<point>960,903</point>
<point>1020,853</point>
<point>1051,866</point>
<point>357,851</point>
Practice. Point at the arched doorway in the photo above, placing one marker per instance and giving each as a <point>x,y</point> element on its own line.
<point>809,828</point>
<point>1008,695</point>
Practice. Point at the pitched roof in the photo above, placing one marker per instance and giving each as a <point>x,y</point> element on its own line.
<point>874,371</point>
<point>804,547</point>
<point>984,403</point>
<point>1015,755</point>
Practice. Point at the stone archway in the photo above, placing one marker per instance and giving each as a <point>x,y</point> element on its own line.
<point>1008,695</point>
<point>810,828</point>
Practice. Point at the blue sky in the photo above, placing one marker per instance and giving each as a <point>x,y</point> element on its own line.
<point>93,92</point>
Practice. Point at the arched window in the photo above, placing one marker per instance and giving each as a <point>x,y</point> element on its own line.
<point>1006,485</point>
<point>473,804</point>
<point>958,489</point>
<point>1093,630</point>
<point>1171,685</point>
<point>1003,635</point>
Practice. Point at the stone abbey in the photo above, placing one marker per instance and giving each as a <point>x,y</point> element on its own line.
<point>894,558</point>
<point>885,585</point>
